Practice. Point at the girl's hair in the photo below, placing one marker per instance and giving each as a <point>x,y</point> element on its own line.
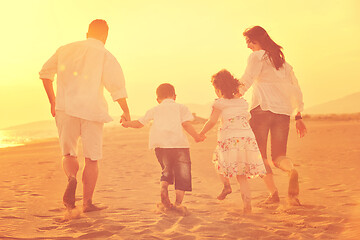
<point>273,51</point>
<point>226,83</point>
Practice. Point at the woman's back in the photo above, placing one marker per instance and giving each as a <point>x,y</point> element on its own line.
<point>274,90</point>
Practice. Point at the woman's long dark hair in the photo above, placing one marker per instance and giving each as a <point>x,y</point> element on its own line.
<point>273,51</point>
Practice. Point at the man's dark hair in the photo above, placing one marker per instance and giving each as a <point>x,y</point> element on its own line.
<point>97,28</point>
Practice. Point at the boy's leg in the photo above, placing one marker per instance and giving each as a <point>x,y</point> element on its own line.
<point>164,159</point>
<point>227,187</point>
<point>245,192</point>
<point>182,171</point>
<point>177,206</point>
<point>164,194</point>
<point>179,196</point>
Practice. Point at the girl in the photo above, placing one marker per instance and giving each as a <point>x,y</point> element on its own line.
<point>237,153</point>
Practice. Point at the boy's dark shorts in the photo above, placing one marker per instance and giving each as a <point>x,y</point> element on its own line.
<point>175,164</point>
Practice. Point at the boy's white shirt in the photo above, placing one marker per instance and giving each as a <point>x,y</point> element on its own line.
<point>166,130</point>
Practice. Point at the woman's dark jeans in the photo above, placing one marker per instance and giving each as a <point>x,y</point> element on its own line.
<point>263,122</point>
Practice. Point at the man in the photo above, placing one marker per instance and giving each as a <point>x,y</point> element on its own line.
<point>83,69</point>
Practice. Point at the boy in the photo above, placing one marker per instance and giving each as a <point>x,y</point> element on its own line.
<point>170,143</point>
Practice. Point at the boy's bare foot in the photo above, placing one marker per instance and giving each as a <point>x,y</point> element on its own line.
<point>181,209</point>
<point>89,207</point>
<point>69,195</point>
<point>226,190</point>
<point>165,198</point>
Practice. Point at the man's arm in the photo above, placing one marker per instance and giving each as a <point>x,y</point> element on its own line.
<point>123,104</point>
<point>48,85</point>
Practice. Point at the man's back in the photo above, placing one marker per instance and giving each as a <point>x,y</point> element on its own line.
<point>83,68</point>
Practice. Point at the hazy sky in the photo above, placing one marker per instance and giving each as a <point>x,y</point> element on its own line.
<point>180,42</point>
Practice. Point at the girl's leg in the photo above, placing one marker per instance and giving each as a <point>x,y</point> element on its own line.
<point>270,183</point>
<point>227,187</point>
<point>245,192</point>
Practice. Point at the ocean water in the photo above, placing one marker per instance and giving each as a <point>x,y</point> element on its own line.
<point>23,134</point>
<point>27,133</point>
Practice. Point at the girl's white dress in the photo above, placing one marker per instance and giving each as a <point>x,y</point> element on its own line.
<point>237,152</point>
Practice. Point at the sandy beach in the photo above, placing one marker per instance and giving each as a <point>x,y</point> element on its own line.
<point>32,183</point>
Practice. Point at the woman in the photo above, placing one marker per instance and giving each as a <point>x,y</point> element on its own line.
<point>276,95</point>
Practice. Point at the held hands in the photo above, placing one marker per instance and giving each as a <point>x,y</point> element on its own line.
<point>200,138</point>
<point>125,123</point>
<point>125,117</point>
<point>300,128</point>
<point>125,120</point>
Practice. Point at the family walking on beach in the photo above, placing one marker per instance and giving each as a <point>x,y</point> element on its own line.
<point>85,68</point>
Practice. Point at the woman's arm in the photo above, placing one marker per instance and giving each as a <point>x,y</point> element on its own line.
<point>252,71</point>
<point>300,125</point>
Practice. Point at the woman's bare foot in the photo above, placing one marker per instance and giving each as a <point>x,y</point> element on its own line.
<point>227,190</point>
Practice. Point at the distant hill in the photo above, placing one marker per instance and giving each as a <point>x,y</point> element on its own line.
<point>348,104</point>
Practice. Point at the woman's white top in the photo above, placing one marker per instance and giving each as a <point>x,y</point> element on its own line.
<point>274,90</point>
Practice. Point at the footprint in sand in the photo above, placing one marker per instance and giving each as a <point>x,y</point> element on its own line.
<point>339,190</point>
<point>334,184</point>
<point>44,162</point>
<point>350,204</point>
<point>42,216</point>
<point>114,228</point>
<point>56,210</point>
<point>207,196</point>
<point>47,228</point>
<point>96,235</point>
<point>11,217</point>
